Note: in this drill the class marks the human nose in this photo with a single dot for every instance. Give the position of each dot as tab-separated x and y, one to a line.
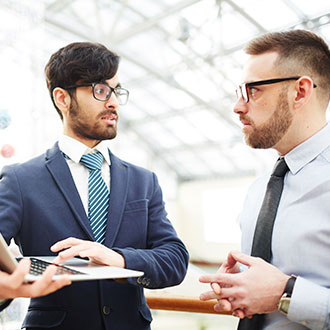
113	101
240	106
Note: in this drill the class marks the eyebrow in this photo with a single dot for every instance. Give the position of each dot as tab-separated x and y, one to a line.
117	86
105	82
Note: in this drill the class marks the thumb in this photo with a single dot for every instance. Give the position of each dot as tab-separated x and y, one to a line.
242	258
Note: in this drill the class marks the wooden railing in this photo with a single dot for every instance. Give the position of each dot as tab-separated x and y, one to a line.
181	303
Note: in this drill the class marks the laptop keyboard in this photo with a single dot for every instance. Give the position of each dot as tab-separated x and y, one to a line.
38	266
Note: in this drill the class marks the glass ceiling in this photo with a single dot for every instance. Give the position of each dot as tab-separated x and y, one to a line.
181	61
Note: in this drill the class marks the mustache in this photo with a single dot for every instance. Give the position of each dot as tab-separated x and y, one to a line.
246	119
108	112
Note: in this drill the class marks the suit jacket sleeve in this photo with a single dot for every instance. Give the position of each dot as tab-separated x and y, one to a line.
11	204
165	260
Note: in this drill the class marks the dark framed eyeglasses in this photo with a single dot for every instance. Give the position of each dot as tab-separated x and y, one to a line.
102	92
243	89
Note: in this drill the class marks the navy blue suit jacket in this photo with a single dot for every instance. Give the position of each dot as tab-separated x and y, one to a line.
40	205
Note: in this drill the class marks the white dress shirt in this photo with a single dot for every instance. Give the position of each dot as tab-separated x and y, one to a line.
301	234
75	150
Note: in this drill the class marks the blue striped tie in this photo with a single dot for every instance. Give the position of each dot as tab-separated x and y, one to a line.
98	195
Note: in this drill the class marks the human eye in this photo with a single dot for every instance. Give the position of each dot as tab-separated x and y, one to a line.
101	90
253	92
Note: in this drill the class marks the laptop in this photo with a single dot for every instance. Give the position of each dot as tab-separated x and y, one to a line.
77	269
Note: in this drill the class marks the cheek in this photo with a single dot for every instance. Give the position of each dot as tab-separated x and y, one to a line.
264	112
88	105
89	109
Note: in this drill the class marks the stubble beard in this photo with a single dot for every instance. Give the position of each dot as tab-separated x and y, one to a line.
270	133
85	130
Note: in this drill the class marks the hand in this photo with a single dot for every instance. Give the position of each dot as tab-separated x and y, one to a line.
223	305
13	285
94	251
257	290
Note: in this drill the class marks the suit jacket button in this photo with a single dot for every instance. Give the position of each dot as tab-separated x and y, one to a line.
106	310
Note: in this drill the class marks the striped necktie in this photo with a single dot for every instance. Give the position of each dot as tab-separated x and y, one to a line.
262	240
98	195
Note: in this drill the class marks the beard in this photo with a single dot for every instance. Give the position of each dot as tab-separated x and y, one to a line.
271	132
90	128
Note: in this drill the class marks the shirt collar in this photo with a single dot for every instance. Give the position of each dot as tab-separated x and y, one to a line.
75	149
308	150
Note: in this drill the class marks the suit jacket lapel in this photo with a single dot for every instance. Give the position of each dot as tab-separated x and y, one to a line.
118	196
61	174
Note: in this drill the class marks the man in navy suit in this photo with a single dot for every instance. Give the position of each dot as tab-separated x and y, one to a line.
44	204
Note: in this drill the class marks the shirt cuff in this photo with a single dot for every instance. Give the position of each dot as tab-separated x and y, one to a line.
309	304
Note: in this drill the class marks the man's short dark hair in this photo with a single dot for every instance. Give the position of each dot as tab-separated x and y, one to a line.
300	52
80	62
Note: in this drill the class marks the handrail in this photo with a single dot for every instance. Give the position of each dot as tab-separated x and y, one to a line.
181	303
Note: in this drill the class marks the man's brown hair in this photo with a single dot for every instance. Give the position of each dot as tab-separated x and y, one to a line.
80	62
300	53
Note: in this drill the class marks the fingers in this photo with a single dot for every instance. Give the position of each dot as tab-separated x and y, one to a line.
13	285
66	243
239	313
225	279
242	258
231	260
223	305
46	285
17	277
69	253
216	288
209	295
72	247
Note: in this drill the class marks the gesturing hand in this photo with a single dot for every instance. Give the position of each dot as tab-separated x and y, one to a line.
254	291
96	252
224	305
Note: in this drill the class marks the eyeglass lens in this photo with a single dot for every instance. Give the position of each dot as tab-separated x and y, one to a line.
242	91
103	92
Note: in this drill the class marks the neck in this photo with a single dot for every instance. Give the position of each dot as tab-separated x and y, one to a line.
299	134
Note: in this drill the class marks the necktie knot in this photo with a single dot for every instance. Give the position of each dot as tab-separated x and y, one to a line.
280	168
92	161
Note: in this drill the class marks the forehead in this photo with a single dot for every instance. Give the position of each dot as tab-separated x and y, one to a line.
260	67
114	81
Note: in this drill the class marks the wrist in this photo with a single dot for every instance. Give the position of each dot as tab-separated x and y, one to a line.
284	303
284	283
120	260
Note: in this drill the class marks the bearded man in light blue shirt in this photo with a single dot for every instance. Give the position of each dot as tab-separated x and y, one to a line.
282	105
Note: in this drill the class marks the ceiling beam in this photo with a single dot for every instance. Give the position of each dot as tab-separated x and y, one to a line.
148	23
245	15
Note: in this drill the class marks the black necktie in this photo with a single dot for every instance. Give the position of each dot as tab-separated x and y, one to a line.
262	240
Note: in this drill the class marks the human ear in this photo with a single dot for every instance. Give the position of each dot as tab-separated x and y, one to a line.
62	99
303	91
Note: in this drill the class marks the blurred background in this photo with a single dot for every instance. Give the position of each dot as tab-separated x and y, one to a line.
181	61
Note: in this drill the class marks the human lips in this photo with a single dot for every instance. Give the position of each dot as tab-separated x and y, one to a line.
247	124
245	121
110	118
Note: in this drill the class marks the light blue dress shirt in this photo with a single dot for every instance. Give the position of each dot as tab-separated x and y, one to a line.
301	234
